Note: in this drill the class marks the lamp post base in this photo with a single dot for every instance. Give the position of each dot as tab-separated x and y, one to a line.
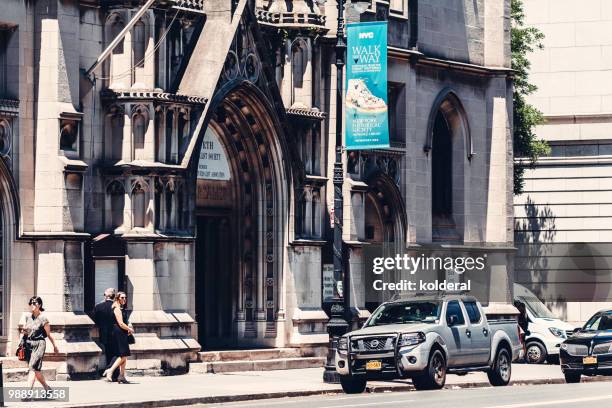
330	375
336	327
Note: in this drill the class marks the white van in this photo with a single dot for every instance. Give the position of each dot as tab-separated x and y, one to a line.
547	331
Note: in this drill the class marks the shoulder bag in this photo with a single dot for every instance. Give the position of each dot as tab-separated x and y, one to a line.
23	350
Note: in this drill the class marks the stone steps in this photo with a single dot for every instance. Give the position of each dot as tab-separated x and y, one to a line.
14	370
21	374
228	361
256	365
12	362
253	354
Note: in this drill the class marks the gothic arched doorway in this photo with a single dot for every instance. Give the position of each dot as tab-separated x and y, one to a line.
242	191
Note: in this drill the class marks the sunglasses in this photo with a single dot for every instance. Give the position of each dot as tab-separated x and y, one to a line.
123	297
33	303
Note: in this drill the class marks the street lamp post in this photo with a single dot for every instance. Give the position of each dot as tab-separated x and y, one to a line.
341	316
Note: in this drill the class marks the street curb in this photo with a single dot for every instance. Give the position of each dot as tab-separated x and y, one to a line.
275	395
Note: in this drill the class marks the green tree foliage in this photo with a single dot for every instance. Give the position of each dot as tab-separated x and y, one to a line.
527	147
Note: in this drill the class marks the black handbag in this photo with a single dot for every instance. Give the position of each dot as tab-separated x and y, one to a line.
131	339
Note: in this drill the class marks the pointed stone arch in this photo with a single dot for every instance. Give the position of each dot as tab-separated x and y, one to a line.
385	228
449	104
115	204
261	176
390	202
11	230
449	147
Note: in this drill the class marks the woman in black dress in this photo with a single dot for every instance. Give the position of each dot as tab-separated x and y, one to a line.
120	334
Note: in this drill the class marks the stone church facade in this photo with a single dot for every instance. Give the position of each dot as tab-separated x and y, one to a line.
191	167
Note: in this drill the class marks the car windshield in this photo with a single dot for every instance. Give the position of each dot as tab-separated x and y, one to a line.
405	312
536	307
599	322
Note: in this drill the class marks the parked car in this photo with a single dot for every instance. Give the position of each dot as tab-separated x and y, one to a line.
546	331
588	351
426	338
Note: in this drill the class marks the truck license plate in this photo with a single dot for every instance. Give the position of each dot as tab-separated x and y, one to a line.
374	365
589	360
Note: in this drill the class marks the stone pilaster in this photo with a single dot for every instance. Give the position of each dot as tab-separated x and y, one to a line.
59	282
159	281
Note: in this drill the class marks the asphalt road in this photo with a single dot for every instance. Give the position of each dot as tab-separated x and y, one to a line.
582	395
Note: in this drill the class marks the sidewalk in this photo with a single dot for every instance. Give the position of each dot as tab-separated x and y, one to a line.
216	388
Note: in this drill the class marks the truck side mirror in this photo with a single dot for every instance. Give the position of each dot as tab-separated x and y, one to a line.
577	330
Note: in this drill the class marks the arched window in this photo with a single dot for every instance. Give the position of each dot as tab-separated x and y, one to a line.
170	137
116	199
299	60
181	211
116	65
139	44
449	141
116	134
160	138
441	172
138	127
183	129
159	194
140	122
301	74
69	135
116	26
138	206
169	197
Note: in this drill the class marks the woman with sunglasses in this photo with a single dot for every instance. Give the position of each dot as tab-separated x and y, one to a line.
36	330
120	334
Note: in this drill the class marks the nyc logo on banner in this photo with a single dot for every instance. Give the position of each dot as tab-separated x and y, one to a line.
367	122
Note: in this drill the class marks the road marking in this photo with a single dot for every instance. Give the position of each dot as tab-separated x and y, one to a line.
556	402
372	404
298	400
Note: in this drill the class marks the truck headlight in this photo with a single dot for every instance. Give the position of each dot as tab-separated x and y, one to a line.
411	339
343	344
603	348
557	332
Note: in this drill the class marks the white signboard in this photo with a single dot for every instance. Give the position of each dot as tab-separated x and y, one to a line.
328	282
213	164
106	276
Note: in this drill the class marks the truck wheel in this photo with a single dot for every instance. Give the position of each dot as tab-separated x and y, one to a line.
572	378
353	384
502	368
434	376
536	353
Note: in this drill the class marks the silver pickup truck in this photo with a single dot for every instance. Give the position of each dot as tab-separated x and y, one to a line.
426	338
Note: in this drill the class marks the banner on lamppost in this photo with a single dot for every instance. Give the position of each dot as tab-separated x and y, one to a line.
367	123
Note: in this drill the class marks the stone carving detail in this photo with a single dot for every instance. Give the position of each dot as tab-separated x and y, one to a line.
362	165
196	5
291	14
6	137
242	61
